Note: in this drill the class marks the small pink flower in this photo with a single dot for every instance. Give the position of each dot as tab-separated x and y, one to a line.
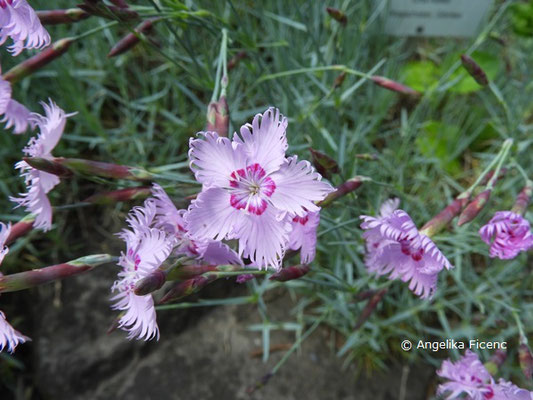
507	234
39	183
14	114
146	249
396	247
8	335
466	376
20	22
303	236
250	190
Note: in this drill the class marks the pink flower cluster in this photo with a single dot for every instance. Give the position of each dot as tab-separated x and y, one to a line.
157	232
19	22
9	337
253	193
396	248
507	234
468	379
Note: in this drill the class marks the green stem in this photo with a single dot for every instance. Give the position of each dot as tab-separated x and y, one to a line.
505	147
504	153
95	30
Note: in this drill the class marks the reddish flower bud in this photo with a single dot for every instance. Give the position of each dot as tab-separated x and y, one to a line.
526	360
35	277
324	164
343	189
21	228
245	278
339	80
523	198
115	196
234	61
489	176
186	288
337	15
38	61
394	86
474	208
218	117
55	17
290	273
442	219
370	307
474	70
97	7
151	283
65	166
132	39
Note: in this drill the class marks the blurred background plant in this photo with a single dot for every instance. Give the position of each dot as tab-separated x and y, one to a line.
141	107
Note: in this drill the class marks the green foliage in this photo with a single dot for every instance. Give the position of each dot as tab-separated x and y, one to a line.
141	108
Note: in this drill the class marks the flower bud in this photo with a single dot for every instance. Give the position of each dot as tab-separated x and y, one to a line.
114	196
21	228
55	17
474	70
234	61
337	15
394	86
339	80
523	198
38	61
370	307
67	166
132	39
218	117
290	273
526	360
343	189
324	164
186	288
35	277
474	208
442	219
151	283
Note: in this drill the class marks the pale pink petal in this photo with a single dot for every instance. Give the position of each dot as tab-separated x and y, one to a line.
17	116
263	238
213	159
5	230
303	236
466	376
5	94
167	215
211	215
9	337
388	207
154	248
140	317
35	200
264	141
51	127
23	26
219	253
298	187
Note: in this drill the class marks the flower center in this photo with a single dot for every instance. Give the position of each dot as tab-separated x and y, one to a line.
250	188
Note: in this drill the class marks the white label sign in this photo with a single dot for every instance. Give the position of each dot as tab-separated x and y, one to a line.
459	18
